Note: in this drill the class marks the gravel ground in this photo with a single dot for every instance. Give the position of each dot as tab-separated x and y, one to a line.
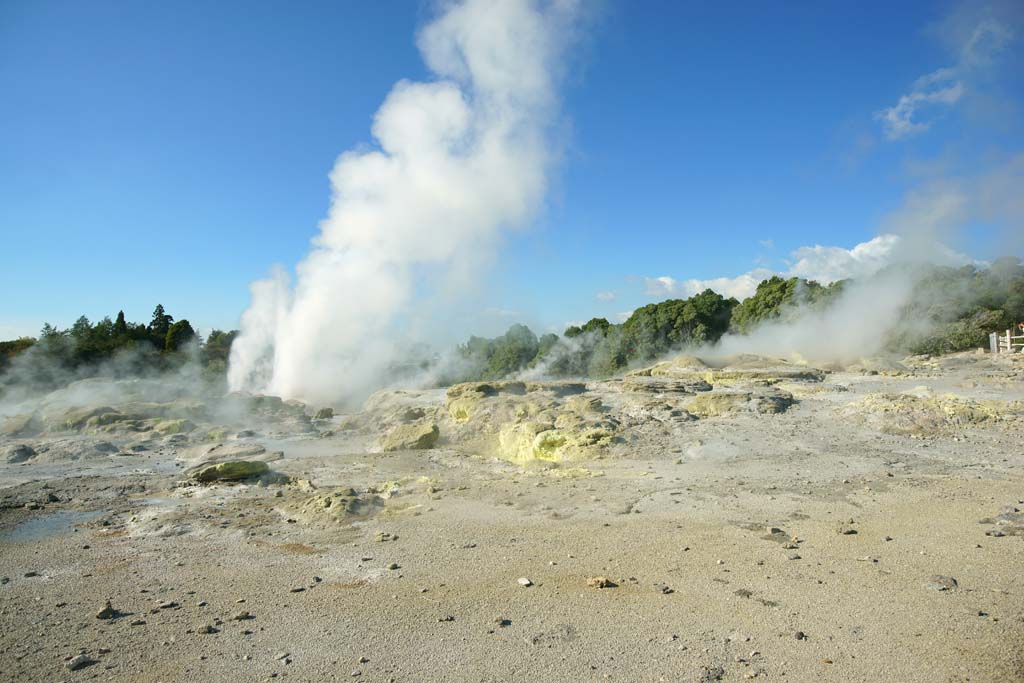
804	546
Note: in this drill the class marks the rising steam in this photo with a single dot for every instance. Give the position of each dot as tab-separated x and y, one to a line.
460	159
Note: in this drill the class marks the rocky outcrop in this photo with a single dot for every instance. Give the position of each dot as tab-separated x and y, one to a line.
741	368
765	400
13	455
553	421
530	441
174	426
417	436
21	425
922	412
231	470
336	506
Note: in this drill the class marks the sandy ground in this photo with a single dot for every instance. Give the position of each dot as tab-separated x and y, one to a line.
808	545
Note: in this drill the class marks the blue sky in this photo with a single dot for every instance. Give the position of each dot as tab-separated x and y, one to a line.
173	152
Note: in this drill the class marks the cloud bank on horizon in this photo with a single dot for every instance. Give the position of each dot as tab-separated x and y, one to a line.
825	264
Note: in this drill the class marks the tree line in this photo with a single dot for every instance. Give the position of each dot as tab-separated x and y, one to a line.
161	344
950	309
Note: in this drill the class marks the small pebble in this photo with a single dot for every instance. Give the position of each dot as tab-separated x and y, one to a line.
79	662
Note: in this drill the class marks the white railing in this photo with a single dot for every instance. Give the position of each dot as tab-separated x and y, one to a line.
1006	342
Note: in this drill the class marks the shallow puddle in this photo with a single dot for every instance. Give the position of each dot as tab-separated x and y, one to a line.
45	526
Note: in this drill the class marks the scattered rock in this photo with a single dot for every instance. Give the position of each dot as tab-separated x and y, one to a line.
79	662
942	583
524	582
601	582
207	629
108	612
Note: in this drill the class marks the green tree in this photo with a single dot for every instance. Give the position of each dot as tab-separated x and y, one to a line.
120	326
81	329
778	298
10	349
218	345
161	322
599	325
103	331
179	334
653	330
545	344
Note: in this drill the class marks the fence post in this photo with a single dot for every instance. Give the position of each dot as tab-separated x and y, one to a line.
993	342
1009	342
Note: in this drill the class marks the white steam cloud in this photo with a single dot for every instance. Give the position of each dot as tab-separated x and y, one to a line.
460	158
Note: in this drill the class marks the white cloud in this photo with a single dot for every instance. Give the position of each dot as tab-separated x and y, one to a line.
827	264
898	121
986	43
605	296
624	316
977	39
740	286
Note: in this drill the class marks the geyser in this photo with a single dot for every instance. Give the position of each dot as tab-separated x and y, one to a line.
459	159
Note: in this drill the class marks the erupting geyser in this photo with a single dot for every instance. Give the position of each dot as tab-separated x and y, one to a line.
460	158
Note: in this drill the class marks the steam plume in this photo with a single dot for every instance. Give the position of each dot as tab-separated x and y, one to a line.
460	159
